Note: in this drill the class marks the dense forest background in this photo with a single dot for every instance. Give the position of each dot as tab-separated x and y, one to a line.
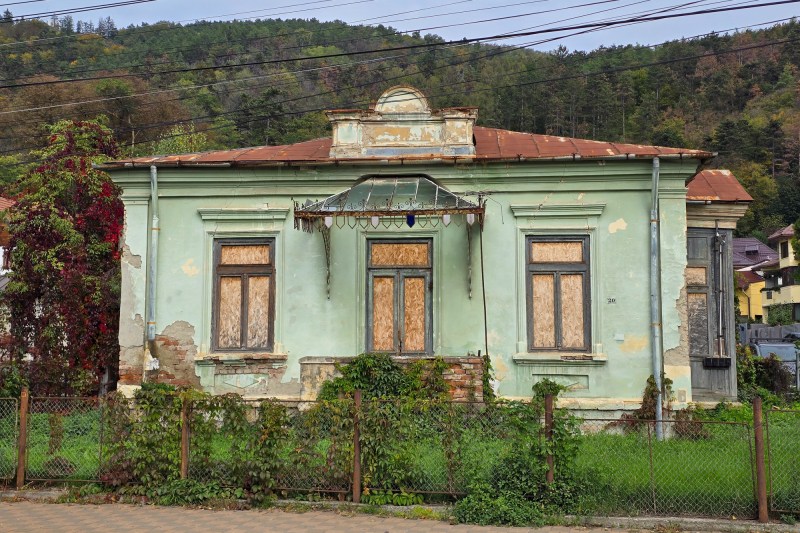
167	88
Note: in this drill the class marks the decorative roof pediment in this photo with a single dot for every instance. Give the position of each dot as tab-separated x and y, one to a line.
402	125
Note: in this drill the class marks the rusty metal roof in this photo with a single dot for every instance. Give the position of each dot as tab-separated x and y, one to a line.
490	145
717	186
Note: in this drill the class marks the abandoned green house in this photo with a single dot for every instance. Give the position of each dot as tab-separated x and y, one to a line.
415	232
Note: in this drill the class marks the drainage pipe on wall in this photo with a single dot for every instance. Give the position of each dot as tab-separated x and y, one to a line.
152	262
655	297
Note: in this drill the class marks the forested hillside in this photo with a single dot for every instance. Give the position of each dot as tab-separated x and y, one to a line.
173	88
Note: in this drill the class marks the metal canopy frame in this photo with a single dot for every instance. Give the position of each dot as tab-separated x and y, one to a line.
384	196
397	200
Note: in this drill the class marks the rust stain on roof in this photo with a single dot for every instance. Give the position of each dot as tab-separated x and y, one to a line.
491	144
717	186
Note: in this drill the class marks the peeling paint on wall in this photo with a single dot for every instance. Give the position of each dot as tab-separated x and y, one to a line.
176	351
189	268
634	343
618	225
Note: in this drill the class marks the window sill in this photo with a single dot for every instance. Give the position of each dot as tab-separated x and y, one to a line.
234	357
560	358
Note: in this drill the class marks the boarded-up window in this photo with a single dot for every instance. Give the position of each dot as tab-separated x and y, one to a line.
244	294
399	296
558	293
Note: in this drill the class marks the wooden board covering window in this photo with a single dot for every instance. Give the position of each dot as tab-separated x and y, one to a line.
557	252
544	311
244	285
230	312
414	319
558	293
244	254
698	323
572	311
696	276
258	306
383	313
400	254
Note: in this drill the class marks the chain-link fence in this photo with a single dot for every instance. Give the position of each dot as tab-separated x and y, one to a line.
313	443
64	438
9	435
783	460
696	468
438	447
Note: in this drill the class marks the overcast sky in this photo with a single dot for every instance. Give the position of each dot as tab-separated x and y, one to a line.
456	19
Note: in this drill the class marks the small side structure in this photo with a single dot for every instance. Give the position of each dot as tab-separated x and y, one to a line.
715	202
782	287
414	232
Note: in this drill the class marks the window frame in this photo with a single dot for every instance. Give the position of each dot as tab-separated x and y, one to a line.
399	273
243	272
556	268
784	246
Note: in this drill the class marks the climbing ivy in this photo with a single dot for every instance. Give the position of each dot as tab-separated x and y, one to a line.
62	300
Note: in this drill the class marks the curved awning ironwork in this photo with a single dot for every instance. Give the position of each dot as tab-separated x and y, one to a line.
387	197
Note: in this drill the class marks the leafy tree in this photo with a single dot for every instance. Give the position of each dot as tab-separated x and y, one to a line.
62	301
181	139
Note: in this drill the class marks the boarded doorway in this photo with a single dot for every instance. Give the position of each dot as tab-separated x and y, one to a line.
399	289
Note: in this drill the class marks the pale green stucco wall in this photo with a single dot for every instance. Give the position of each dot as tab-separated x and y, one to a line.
607	200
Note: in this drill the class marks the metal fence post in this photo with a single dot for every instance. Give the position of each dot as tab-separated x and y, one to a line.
548	433
185	439
356	448
761	477
22	443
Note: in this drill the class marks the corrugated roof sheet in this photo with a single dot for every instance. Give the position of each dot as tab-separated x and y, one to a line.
490	145
782	233
5	203
717	186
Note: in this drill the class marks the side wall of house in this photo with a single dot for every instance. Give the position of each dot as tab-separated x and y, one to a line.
608	202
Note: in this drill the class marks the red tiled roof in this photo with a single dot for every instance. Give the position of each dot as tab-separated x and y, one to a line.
717	186
5	203
745	277
782	233
490	145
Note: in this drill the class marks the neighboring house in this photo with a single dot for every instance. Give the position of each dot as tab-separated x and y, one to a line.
780	275
749	257
749	287
414	232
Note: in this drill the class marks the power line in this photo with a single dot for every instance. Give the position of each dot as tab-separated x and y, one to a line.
328	43
587	75
70	11
602	72
418	46
338	66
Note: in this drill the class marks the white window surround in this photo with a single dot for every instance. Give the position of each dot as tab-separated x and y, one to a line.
555	220
240	223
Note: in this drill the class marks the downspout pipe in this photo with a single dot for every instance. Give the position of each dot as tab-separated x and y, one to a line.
152	262
655	298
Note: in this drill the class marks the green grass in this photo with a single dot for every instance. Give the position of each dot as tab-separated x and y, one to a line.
70	450
708	476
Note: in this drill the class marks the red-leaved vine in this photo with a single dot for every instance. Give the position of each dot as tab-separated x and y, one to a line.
62	300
